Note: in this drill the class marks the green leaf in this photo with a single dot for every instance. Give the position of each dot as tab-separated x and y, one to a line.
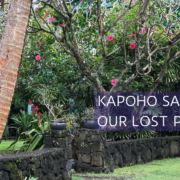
34	143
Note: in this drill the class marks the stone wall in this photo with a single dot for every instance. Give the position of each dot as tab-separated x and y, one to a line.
131	152
97	155
47	164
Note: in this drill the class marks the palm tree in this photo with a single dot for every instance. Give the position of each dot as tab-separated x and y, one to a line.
10	54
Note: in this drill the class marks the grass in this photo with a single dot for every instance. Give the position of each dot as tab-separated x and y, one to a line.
166	169
5	144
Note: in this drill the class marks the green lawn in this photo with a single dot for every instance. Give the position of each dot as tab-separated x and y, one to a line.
5	144
166	169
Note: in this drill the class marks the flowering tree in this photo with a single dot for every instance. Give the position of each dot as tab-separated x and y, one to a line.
138	30
10	54
141	33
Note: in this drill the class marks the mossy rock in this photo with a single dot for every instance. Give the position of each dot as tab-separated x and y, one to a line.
19	160
33	160
9	166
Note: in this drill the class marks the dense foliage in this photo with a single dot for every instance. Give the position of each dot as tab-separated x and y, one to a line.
50	59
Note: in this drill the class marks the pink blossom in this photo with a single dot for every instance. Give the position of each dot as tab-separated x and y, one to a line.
132	35
39	43
145	55
51	19
47	13
113	82
132	1
16	85
62	25
110	38
167	16
44	19
155	29
38	57
124	0
132	46
19	74
144	30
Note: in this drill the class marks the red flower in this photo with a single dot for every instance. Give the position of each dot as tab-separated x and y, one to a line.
19	74
51	19
110	38
33	112
37	109
38	118
62	25
132	46
46	13
30	102
113	82
132	35
144	30
32	105
39	113
39	124
38	58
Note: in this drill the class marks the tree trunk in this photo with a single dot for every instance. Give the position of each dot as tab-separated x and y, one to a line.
10	54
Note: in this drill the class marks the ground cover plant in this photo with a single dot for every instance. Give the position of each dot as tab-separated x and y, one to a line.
156	170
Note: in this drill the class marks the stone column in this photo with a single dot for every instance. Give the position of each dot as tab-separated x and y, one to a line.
58	139
92	144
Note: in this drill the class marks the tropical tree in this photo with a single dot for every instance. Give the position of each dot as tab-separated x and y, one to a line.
10	54
135	33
